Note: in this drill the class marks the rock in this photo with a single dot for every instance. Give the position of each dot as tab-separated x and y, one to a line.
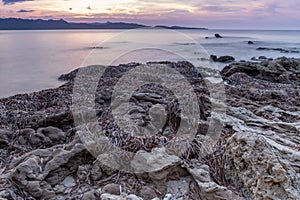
96	171
68	76
262	58
112	188
271	171
106	196
218	35
263	152
158	165
271	71
168	197
208	188
83	172
69	182
4	194
30	176
56	135
226	59
277	49
90	195
157	160
250	42
213	58
43	155
223	59
43	137
206	37
133	197
180	189
147	193
151	97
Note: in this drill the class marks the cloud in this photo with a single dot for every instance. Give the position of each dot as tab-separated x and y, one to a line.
9	2
25	11
222	8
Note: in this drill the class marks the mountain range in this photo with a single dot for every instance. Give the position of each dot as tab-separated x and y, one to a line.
40	24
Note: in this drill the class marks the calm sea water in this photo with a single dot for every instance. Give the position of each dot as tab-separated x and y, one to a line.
32	60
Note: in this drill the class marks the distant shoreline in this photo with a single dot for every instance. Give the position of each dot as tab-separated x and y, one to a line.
40	24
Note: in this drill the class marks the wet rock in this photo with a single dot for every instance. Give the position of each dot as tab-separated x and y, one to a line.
213	58
68	76
222	59
225	59
262	58
277	49
217	35
250	42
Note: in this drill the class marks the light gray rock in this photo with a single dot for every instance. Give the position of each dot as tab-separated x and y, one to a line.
147	193
156	160
106	196
133	197
112	188
208	189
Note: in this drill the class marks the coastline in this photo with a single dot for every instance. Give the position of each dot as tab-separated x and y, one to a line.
44	156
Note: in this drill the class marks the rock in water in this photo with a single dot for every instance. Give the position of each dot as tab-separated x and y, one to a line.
222	59
226	59
217	35
213	58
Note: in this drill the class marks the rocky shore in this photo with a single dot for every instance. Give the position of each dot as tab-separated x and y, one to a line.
257	155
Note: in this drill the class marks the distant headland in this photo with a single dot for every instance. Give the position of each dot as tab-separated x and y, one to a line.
40	24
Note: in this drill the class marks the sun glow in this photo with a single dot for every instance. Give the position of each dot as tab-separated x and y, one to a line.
181	12
81	7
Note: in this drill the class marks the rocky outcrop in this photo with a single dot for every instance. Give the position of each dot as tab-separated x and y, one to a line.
256	157
217	35
263	153
222	59
277	49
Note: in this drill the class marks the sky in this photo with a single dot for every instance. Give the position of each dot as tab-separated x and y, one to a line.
237	14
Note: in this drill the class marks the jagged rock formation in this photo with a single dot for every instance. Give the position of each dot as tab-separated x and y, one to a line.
256	157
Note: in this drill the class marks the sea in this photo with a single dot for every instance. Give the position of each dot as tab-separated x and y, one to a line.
32	60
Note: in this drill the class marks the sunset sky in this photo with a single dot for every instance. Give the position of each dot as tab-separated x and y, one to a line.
261	14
